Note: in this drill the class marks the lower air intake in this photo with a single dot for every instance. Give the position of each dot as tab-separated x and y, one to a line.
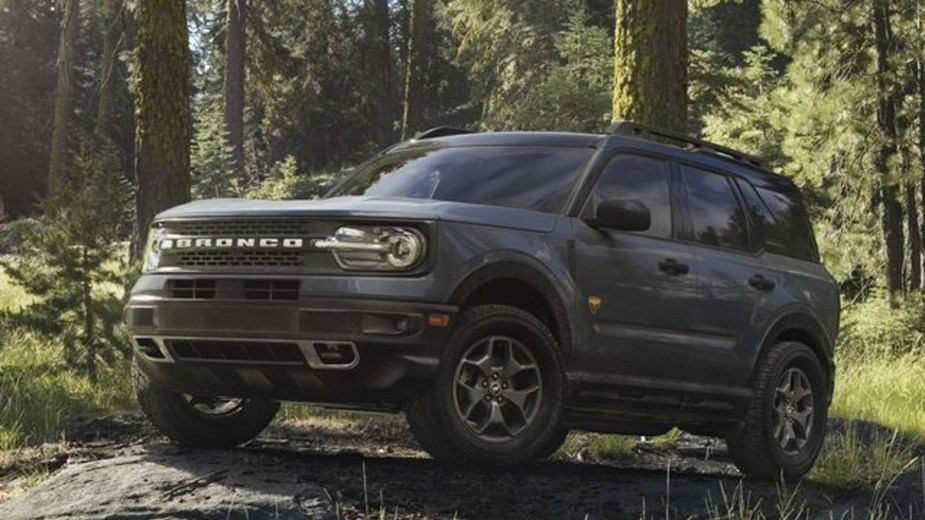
235	351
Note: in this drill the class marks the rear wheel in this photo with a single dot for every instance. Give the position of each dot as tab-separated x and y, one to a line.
784	427
201	421
497	399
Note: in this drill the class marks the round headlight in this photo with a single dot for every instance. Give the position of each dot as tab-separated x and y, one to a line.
405	249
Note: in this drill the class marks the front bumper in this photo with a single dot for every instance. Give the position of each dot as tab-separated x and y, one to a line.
270	349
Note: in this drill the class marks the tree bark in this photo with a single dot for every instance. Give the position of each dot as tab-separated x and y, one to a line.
379	67
650	63
412	118
920	88
112	16
915	238
162	108
892	213
62	106
235	54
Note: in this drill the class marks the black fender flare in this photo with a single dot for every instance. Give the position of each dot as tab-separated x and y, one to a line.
524	272
800	320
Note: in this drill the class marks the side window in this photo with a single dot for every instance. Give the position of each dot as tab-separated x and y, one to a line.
717	219
636	177
788	232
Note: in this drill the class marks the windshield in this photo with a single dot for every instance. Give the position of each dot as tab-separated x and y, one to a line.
526	177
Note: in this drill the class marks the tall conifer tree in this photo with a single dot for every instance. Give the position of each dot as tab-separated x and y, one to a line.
650	62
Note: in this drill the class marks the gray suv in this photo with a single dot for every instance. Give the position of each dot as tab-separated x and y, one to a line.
501	289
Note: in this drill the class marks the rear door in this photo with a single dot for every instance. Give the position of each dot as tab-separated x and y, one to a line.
739	286
635	288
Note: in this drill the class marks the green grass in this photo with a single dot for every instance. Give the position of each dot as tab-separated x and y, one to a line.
846	462
38	392
889	391
612	446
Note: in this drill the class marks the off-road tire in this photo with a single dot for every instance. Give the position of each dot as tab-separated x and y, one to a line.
752	445
432	415
173	416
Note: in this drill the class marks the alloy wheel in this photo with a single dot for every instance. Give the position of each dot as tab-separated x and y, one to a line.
497	388
213	407
793	411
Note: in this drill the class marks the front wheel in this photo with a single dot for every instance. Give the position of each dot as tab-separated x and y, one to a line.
201	421
784	427
497	399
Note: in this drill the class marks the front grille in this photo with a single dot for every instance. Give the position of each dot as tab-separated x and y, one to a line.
286	290
237	351
192	289
271	258
201	252
246	228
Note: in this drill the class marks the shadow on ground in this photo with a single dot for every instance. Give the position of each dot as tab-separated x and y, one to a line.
338	467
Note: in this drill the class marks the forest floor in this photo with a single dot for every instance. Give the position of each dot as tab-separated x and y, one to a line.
333	465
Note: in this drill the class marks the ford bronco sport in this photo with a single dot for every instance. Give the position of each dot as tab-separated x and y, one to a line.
501	289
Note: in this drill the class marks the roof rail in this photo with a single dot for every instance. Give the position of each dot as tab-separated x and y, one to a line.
631	129
441	131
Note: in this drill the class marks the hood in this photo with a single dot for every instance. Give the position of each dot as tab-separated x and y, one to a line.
390	208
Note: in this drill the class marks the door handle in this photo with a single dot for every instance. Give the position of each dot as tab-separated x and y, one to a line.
673	267
761	283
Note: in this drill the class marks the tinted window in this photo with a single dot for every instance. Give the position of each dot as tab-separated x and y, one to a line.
518	177
716	217
783	224
641	178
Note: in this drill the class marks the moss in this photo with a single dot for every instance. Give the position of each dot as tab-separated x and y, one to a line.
650	64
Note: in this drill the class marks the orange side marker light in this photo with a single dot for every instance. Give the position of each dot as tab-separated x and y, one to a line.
438	320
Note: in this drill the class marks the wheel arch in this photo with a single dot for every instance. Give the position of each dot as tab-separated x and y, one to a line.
801	327
520	285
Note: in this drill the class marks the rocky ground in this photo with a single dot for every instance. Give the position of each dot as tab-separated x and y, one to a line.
336	466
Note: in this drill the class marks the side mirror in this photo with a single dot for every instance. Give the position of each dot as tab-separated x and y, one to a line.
621	215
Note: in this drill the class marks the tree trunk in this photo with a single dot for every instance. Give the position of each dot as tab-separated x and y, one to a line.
920	87
892	214
112	16
379	67
162	108
412	119
650	63
915	239
62	107
235	53
87	311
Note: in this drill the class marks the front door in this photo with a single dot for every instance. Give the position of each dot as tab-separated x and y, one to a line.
637	289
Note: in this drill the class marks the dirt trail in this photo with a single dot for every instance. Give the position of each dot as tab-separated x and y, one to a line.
337	467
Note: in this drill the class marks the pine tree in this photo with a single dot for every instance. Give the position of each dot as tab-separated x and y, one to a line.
162	110
421	11
112	19
650	62
378	61
235	53
62	112
71	260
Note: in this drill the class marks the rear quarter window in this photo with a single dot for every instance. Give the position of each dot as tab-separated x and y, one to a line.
781	222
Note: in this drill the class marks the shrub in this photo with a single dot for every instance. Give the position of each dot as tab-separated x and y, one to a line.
872	328
286	183
11	235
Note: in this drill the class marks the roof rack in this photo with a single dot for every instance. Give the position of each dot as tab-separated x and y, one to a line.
441	131
631	129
